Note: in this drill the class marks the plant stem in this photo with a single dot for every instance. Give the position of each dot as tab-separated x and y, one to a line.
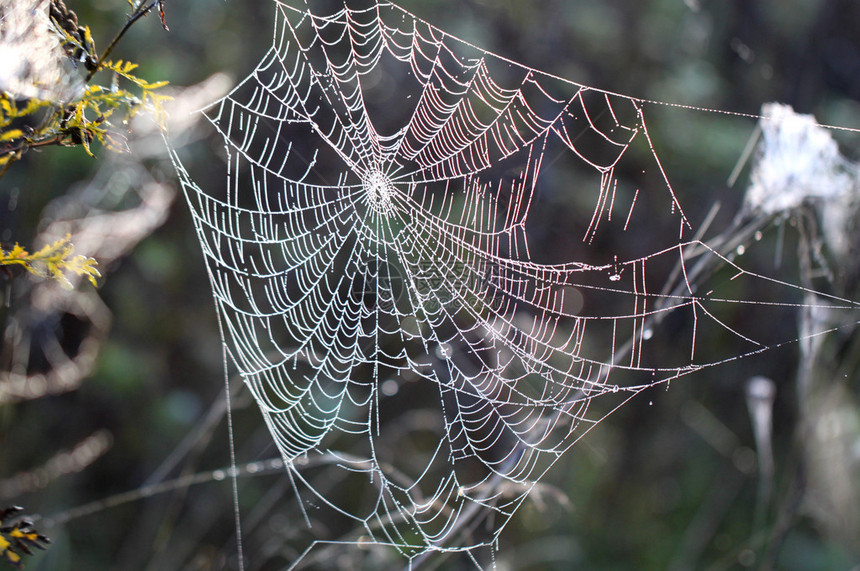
142	10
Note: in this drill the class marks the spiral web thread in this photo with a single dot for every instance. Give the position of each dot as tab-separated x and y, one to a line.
375	250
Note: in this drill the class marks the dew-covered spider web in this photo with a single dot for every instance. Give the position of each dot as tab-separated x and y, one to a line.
432	279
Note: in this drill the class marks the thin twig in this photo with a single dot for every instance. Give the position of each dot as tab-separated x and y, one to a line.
142	10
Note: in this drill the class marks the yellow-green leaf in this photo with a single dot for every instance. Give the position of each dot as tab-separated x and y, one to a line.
11	134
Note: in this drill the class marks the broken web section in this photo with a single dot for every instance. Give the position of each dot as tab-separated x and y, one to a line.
422	246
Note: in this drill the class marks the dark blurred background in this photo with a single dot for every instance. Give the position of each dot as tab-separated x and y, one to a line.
668	481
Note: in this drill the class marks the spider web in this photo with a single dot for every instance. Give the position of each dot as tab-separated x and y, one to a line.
386	239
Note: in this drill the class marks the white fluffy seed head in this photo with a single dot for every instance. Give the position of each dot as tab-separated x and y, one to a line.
33	64
798	161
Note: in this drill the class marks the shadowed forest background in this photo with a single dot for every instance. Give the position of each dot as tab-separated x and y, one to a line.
670	480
